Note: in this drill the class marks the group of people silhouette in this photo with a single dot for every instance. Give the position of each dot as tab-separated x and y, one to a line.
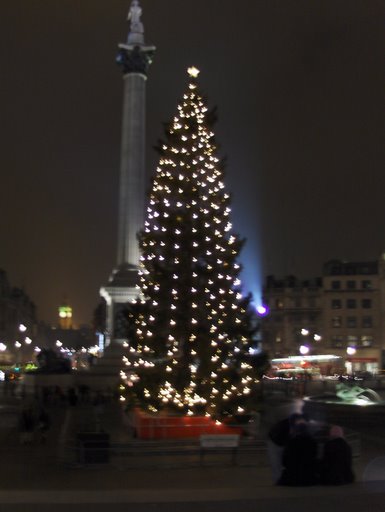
299	459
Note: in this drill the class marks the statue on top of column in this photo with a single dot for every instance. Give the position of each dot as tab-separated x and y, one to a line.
135	56
134	15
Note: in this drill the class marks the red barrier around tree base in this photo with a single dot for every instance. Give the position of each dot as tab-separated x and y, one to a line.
163	426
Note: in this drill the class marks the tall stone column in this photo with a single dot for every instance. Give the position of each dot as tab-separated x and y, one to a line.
134	58
132	171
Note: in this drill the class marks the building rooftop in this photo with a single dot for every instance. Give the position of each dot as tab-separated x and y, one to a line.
348	268
292	282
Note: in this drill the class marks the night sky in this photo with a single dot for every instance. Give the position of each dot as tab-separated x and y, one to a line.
300	88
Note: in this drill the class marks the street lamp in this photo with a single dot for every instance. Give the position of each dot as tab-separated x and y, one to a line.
306	334
304	349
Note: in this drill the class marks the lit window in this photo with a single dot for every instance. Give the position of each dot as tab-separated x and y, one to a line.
336	321
366	341
279	303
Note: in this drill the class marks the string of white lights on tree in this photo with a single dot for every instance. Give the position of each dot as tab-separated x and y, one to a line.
189	346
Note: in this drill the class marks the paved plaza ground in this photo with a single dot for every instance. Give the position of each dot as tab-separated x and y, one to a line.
40	477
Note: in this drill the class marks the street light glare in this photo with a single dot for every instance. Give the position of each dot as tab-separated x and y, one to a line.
304	349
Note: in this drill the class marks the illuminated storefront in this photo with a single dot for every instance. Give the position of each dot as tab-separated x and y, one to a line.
312	365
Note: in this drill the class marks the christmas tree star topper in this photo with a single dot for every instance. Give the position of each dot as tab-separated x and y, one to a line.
193	71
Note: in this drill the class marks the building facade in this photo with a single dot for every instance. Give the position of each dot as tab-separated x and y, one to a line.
342	313
353	312
294	316
18	321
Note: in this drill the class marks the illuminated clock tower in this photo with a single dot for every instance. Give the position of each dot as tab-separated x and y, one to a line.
134	58
65	317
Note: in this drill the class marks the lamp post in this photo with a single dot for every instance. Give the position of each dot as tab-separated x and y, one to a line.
23	330
350	351
308	343
308	340
304	350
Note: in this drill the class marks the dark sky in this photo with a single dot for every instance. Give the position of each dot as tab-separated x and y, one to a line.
300	87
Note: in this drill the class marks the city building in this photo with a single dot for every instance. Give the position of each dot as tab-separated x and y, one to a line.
340	314
17	321
353	312
294	314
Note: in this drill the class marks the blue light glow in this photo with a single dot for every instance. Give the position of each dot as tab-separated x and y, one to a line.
262	310
251	275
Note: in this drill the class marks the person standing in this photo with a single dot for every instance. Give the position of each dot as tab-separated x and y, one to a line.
278	437
299	458
336	463
27	426
43	425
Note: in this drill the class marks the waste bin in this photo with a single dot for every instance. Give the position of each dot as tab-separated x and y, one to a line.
93	447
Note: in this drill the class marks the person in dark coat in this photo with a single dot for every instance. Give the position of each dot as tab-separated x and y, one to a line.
27	426
299	458
43	424
280	432
336	463
278	437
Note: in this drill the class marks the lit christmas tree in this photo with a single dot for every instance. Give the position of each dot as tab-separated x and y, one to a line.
191	334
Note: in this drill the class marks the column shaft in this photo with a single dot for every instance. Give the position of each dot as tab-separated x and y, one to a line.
132	169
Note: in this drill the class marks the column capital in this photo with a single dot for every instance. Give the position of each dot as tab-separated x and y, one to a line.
135	59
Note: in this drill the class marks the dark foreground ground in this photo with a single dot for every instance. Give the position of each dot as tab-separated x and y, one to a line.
42	477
